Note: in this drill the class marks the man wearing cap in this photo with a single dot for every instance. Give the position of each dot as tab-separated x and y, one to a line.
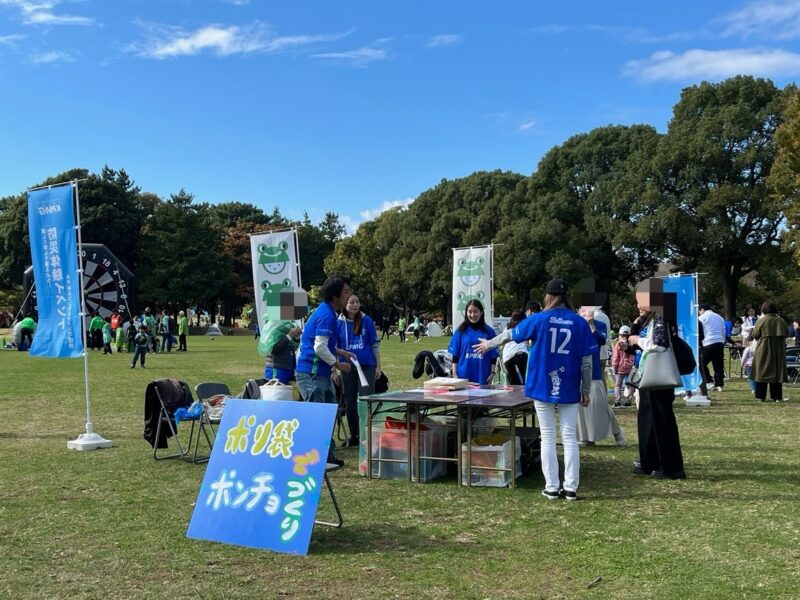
713	345
559	373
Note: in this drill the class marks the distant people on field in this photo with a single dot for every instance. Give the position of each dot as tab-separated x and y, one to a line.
417	328
747	365
713	345
142	343
385	325
532	307
515	354
26	328
796	329
96	331
108	336
183	331
748	323
149	322
769	359
401	328
622	359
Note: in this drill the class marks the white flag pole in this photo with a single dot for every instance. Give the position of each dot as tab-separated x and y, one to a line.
89	440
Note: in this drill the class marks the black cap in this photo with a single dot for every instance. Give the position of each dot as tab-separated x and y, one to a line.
556	287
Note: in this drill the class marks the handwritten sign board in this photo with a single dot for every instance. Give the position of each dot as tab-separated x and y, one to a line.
263	482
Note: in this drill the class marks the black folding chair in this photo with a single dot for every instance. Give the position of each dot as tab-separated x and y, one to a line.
330	468
166	396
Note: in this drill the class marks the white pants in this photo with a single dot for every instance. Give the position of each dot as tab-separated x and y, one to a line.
568	420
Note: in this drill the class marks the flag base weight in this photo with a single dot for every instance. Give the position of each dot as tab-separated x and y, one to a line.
698	401
89	441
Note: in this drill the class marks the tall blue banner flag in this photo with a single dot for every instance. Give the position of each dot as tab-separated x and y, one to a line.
685	286
54	250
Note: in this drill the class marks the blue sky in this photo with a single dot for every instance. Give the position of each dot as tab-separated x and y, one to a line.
350	106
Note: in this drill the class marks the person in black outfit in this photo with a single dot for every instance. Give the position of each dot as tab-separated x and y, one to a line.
659	442
385	328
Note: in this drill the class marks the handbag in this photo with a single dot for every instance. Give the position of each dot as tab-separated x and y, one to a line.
684	356
656	371
275	390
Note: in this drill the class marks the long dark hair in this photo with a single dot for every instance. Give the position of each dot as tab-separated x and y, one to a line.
357	320
481	324
516	317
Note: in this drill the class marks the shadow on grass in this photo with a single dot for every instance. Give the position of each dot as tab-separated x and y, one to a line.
360	538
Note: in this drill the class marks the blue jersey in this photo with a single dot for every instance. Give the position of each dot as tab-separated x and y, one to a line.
361	344
469	364
321	323
560	339
600	339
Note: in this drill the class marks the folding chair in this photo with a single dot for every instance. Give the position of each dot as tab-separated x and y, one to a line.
166	396
793	366
329	468
205	391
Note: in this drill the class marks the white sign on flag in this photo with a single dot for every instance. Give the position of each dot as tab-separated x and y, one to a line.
472	280
276	267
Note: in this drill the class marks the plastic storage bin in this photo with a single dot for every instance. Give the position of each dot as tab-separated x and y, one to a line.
392	443
491	456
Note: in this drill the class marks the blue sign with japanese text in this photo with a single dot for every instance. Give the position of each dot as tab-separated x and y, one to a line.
54	252
685	286
265	475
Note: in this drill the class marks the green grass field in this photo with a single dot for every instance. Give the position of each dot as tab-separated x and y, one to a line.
112	523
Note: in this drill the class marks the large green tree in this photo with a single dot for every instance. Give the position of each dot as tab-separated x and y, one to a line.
183	264
710	200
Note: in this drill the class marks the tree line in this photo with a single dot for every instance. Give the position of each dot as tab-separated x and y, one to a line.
715	193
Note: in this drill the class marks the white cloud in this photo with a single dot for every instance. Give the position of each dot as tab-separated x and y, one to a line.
443	40
527	125
165	42
41	13
47	58
11	40
770	19
357	58
713	64
631	35
372	213
352	224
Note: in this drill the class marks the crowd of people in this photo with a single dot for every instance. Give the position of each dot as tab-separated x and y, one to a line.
144	333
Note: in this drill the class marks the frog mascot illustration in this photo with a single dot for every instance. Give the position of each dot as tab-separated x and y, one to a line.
464	298
273	258
470	271
272	296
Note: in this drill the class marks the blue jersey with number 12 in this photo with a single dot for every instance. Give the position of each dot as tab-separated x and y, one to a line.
560	339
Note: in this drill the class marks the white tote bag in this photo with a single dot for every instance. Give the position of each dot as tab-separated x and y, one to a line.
275	390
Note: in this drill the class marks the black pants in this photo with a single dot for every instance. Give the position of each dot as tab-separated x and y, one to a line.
402	335
715	354
351	386
516	367
25	334
775	390
97	339
385	333
182	342
659	442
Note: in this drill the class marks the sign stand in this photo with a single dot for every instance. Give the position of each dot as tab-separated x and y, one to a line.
89	440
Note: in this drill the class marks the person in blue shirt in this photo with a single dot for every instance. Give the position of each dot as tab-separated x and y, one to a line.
559	373
318	349
468	363
357	334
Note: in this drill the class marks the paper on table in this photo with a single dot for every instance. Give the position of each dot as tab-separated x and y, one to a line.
362	378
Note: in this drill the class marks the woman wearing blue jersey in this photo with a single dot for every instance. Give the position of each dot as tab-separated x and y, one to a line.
559	373
357	334
468	363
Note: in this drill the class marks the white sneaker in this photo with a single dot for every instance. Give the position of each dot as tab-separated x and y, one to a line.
718	388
